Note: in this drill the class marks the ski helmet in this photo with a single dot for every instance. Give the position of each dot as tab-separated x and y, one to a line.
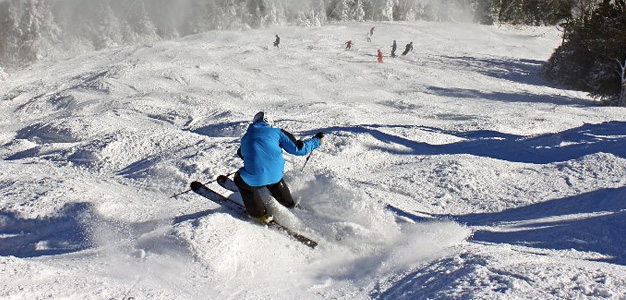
263	116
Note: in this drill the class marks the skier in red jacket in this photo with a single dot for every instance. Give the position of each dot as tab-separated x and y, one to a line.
349	44
380	56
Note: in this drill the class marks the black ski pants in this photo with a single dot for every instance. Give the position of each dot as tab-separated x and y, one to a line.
252	197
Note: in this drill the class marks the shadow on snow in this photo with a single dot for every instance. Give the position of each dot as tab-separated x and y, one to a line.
64	233
442	274
526	71
593	221
608	137
76	226
509	97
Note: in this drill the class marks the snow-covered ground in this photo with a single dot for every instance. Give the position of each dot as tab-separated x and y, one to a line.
455	172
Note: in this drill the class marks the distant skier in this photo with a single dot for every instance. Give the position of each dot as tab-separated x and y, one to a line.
408	48
261	149
380	56
372	31
277	41
394	47
349	44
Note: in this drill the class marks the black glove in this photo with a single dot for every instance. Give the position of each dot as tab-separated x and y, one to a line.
319	135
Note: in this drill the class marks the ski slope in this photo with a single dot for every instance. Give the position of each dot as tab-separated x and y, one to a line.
455	172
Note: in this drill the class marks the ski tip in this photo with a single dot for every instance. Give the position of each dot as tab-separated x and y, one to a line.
195	185
221	179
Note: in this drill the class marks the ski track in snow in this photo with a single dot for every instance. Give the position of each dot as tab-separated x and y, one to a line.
455	172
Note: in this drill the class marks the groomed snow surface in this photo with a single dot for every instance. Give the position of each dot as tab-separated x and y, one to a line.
454	172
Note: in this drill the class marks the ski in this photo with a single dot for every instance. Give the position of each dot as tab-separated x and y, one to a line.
208	193
227	183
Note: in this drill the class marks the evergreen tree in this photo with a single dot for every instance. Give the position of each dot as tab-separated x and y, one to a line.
9	32
358	12
143	27
31	29
593	52
368	9
37	31
258	13
339	10
29	34
531	12
386	11
108	32
3	76
608	43
484	12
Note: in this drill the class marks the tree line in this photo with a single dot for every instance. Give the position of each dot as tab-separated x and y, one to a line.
591	57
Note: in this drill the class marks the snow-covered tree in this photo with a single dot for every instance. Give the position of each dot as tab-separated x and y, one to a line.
142	25
257	10
339	10
108	32
37	30
358	11
386	10
9	32
3	77
582	9
484	12
31	29
313	14
622	96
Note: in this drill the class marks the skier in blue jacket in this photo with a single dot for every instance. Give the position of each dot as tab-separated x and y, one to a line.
263	164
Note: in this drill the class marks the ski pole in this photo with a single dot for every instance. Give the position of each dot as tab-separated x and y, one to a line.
306	161
309	156
189	190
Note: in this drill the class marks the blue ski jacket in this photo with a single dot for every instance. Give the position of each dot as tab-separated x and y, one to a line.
261	150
